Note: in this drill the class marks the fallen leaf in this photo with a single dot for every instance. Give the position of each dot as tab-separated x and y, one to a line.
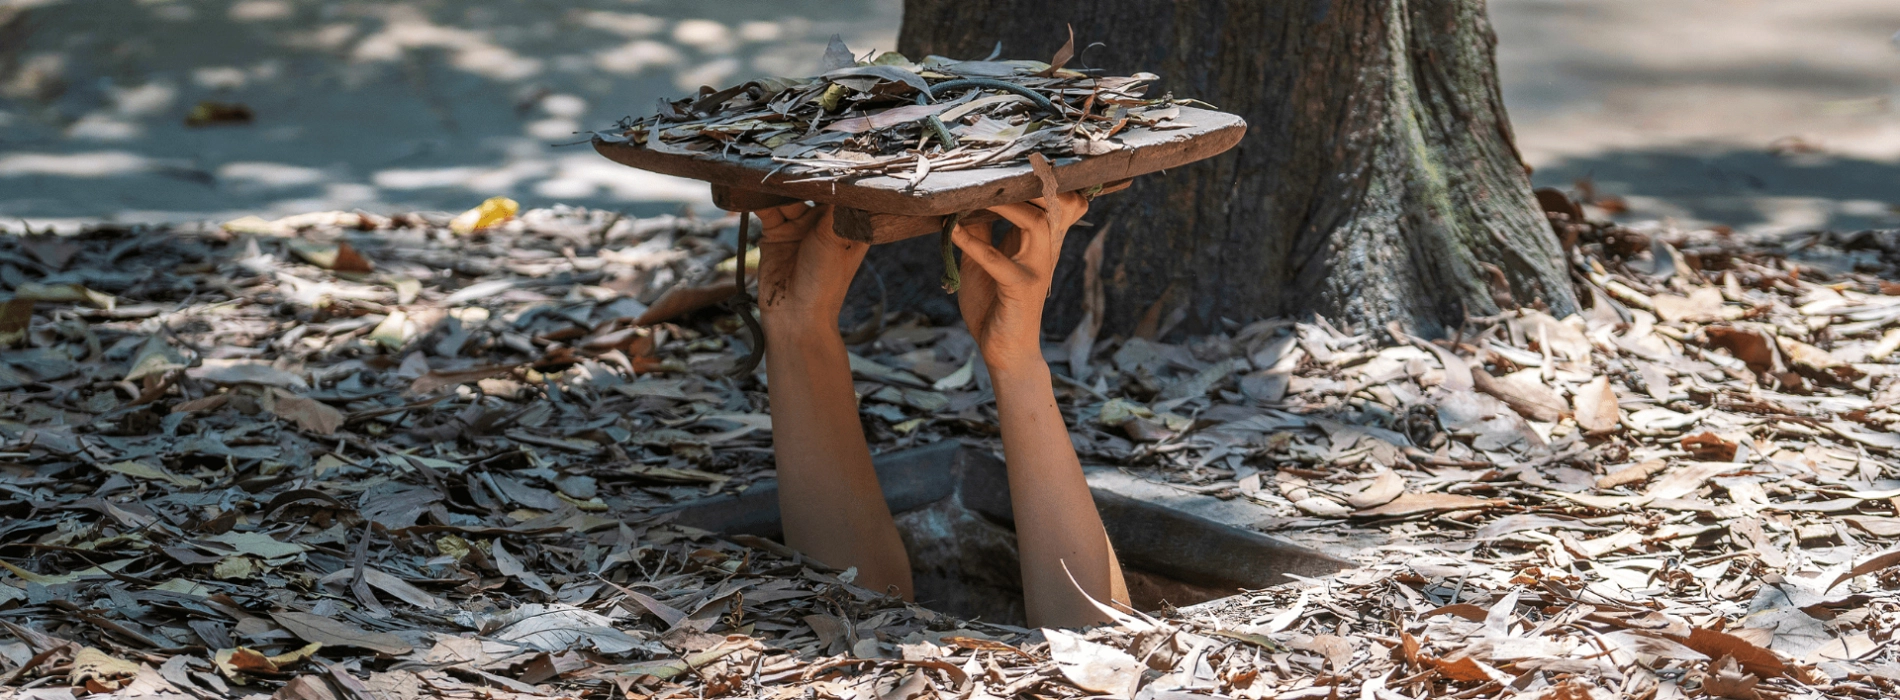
147	472
1753	347
490	212
1752	658
1724	680
229	372
1877	563
1097	668
1687	479
402	590
1521	522
63	294
1336	649
1474	613
1703	305
1462	669
348	260
1634	473
1523	393
1458	373
258	544
56	251
508	565
307	413
1597	412
307	687
1816	363
331	632
559	627
393	332
1845	648
155	357
1415	503
1710	447
1887	345
683	299
1376	491
92	664
438	379
1565	337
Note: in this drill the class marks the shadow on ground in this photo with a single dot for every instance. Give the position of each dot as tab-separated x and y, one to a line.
383	106
1755	192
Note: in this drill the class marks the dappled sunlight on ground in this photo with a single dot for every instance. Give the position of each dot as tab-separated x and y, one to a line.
374	105
1766	116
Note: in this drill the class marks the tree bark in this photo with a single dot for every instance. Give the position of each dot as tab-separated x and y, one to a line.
1377	181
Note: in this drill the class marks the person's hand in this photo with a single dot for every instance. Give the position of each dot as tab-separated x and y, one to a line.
804	268
1003	290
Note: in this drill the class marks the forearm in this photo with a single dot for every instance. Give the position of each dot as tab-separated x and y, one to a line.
1056	520
829	499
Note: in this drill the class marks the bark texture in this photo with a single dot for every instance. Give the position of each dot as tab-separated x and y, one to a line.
1377	179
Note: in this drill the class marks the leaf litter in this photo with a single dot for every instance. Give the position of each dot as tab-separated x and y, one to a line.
446	469
888	115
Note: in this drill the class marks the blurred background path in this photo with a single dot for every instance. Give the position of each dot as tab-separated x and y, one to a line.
1765	115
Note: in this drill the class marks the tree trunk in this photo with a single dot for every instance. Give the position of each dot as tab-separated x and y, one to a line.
1377	182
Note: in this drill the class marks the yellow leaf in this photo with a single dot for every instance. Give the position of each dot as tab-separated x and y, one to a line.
100	666
406	290
296	655
493	211
392	332
452	546
249	224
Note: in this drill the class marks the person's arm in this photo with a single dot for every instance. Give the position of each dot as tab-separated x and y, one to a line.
1059	533
829	499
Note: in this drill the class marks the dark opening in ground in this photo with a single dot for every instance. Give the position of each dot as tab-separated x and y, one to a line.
952	505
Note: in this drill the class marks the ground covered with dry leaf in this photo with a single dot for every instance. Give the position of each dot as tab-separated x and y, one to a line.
347	456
